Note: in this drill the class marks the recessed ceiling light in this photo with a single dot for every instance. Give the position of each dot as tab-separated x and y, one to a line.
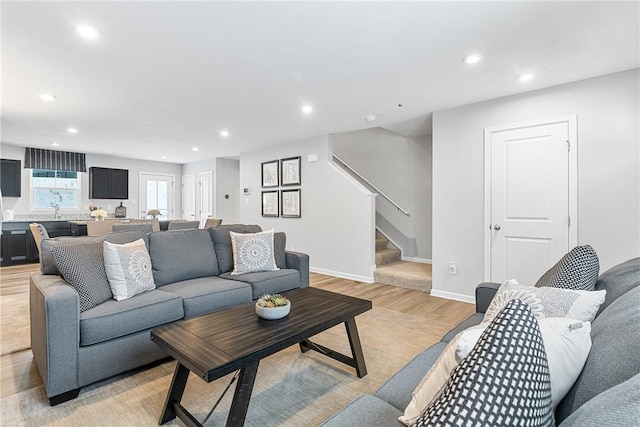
164	157
195	148
525	77
371	118
87	32
224	133
47	97
307	109
472	59
72	130
54	144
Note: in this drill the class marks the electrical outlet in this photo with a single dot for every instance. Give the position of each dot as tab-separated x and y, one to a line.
453	268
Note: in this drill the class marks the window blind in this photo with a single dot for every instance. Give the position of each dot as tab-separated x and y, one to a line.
39	158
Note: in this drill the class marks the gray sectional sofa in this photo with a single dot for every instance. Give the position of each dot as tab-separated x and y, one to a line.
191	269
607	392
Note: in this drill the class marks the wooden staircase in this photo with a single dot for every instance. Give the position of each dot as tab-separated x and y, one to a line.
391	271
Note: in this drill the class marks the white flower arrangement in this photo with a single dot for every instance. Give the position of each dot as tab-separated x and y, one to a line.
99	213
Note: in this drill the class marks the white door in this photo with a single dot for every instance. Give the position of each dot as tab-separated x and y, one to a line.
156	192
205	180
530	195
189	197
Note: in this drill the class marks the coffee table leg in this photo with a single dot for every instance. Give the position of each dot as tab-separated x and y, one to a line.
356	347
176	390
242	395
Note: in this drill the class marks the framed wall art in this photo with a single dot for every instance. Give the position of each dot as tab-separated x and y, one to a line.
270	174
290	171
290	203
270	203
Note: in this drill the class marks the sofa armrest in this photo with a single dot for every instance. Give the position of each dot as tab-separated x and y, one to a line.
484	294
300	262
55	332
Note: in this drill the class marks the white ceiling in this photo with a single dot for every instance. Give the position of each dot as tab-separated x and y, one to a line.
164	77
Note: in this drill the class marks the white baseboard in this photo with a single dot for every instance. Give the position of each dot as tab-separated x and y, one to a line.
342	275
452	295
418	260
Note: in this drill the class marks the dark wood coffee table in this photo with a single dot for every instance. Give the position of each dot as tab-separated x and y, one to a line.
217	344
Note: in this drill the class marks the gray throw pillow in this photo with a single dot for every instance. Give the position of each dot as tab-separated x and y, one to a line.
578	270
253	252
82	267
508	365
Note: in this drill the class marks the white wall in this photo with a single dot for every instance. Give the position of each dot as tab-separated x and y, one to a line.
227	184
401	168
20	205
608	172
337	224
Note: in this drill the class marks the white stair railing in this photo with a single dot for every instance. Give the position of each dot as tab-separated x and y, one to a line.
365	181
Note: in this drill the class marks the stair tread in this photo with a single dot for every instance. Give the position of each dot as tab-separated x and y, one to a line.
405	274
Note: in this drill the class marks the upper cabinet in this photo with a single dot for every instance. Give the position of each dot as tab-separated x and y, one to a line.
105	183
11	178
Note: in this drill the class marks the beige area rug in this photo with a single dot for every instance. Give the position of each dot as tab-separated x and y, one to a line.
14	318
291	389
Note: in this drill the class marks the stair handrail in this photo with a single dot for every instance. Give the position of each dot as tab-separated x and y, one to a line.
368	183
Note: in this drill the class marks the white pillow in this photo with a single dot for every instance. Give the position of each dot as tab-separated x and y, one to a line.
128	268
567	343
253	252
547	301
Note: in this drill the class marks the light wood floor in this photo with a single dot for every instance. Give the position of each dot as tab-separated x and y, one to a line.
19	373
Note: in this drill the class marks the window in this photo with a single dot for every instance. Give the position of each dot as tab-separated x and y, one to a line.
49	187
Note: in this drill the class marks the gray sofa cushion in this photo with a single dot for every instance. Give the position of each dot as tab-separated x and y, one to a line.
366	410
181	255
268	282
472	320
613	358
114	319
619	280
397	389
48	264
222	242
208	294
145	227
618	406
279	248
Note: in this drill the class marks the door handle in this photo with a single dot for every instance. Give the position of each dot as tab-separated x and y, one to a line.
496	227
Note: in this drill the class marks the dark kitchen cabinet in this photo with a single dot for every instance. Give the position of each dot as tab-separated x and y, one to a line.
11	177
106	183
18	245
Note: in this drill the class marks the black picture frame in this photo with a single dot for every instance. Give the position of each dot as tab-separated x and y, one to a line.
270	172
291	203
290	171
270	203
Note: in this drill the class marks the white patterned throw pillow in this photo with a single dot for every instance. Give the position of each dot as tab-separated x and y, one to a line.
128	268
253	252
504	381
548	301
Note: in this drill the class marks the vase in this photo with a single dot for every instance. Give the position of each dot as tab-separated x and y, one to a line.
99	218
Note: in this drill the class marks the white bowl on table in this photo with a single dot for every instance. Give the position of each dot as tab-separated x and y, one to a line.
273	313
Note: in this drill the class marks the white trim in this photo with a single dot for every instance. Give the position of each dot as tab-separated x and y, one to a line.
572	123
418	260
342	275
453	296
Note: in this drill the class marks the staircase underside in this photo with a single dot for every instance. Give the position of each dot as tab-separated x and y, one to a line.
411	275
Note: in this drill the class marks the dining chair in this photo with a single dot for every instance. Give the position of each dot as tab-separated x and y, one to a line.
39	232
212	222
